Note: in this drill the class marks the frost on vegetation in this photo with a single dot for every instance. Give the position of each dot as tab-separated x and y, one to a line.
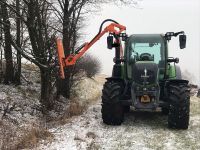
87	131
86	92
87	89
3	96
19	109
139	131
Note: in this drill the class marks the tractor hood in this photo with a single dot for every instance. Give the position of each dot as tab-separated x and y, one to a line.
145	73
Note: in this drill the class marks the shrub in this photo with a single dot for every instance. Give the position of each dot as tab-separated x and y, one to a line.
88	64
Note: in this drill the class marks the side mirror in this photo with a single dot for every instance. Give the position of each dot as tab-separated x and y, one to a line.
182	41
110	42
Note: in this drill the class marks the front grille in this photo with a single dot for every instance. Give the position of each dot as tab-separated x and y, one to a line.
145	73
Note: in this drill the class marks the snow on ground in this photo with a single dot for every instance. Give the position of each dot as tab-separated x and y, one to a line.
19	109
141	130
21	103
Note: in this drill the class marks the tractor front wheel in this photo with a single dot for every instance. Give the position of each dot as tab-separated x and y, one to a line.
127	109
112	110
165	111
179	106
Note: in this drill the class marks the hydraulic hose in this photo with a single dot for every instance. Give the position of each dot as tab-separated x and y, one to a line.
101	26
107	20
100	29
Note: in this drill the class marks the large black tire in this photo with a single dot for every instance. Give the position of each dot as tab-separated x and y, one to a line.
179	106
127	109
112	110
165	111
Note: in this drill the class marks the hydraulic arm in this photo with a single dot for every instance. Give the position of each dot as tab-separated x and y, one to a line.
114	29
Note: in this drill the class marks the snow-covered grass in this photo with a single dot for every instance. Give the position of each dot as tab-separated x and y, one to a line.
141	130
22	125
19	110
76	124
88	90
31	138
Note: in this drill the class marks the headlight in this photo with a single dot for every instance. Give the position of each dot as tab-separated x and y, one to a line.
144	89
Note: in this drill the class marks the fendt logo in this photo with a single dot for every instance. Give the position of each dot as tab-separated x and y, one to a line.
145	74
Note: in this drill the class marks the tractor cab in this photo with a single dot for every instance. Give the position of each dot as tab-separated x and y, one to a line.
145	50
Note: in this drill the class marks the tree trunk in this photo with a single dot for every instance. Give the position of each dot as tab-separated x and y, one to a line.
70	19
46	90
63	85
18	42
9	74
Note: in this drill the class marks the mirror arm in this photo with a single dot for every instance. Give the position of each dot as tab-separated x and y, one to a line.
177	33
175	60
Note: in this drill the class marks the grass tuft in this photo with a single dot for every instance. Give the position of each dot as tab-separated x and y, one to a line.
32	138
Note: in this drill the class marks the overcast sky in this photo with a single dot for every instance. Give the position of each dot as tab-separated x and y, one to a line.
156	16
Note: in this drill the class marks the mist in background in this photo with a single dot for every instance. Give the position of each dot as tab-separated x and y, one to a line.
153	16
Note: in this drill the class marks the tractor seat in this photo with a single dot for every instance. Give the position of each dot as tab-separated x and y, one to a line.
146	57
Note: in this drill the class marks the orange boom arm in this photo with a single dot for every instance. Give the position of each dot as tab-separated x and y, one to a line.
113	28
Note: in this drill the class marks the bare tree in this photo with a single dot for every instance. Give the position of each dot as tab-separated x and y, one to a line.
9	74
70	15
1	48
18	42
41	39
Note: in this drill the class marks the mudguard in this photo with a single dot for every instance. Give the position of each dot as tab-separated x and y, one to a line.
115	79
175	81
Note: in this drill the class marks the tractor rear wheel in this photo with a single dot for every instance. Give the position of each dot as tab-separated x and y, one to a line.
112	110
179	106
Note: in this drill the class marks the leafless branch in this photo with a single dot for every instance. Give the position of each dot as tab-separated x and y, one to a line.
28	57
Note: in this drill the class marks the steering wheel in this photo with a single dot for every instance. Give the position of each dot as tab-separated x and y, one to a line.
146	57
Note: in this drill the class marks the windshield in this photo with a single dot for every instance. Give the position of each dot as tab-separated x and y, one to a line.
147	48
147	51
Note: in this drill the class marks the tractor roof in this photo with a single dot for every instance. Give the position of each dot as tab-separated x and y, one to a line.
146	37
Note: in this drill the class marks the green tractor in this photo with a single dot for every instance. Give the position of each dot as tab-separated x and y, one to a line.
146	79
